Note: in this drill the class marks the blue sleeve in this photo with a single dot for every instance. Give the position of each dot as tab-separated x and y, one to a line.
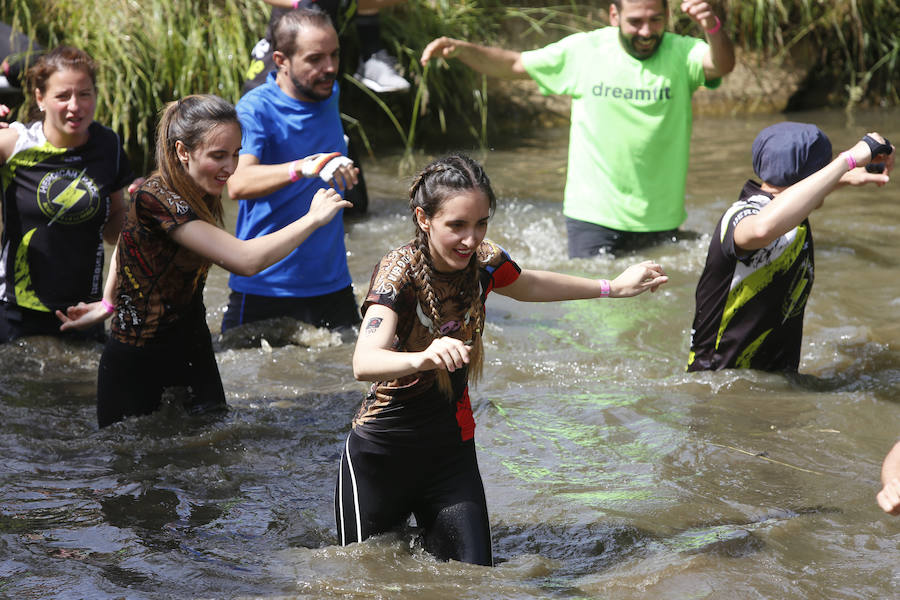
253	131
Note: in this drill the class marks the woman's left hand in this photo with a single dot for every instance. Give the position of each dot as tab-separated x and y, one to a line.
637	279
83	315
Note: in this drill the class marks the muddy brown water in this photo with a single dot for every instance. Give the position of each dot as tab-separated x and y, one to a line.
609	471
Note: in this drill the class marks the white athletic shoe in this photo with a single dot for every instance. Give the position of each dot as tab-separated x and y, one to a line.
379	74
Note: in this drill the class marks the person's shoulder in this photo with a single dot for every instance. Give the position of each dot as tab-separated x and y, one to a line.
393	273
101	134
490	254
8	139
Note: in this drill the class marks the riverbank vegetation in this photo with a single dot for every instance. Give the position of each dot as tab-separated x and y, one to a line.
152	51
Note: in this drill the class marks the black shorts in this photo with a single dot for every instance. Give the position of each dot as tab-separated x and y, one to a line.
588	239
17	322
335	310
379	487
131	379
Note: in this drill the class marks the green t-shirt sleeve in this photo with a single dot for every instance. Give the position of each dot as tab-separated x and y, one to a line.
552	68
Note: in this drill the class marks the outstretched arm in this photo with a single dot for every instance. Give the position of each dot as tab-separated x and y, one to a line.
375	360
249	257
794	204
547	286
889	496
719	61
492	61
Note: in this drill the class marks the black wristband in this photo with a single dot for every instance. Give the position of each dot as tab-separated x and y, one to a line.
877	147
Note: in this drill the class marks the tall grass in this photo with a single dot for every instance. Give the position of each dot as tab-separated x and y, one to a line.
153	51
149	51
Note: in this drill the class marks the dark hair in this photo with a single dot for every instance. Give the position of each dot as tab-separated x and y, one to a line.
189	121
618	3
60	58
288	26
437	182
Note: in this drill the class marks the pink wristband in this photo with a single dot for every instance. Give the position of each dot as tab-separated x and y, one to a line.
604	288
292	170
107	305
716	28
851	162
295	4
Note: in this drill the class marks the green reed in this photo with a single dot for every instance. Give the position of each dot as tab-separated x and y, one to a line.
149	52
153	51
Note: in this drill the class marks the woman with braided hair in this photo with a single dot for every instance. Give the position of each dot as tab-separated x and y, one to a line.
411	449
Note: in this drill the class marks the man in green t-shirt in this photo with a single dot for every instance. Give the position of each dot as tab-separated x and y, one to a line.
631	87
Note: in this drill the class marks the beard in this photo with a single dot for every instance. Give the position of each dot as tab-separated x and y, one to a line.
310	92
628	45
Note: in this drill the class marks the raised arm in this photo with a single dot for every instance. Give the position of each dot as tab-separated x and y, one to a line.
492	61
719	61
791	206
253	180
249	257
547	286
375	360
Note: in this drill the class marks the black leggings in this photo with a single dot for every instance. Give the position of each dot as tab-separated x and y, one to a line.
378	488
131	379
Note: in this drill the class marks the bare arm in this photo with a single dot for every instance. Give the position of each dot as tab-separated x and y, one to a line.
547	286
374	360
719	61
249	257
8	138
253	180
492	61
794	204
889	496
116	217
84	315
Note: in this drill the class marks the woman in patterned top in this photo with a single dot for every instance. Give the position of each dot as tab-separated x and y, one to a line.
172	235
62	177
411	449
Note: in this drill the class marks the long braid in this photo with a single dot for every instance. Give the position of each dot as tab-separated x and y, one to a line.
434	184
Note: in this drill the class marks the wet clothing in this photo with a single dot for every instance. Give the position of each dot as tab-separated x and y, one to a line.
55	206
630	125
279	129
335	310
750	306
410	411
378	487
412	450
587	239
159	337
132	379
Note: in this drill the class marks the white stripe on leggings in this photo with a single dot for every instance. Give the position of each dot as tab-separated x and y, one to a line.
355	496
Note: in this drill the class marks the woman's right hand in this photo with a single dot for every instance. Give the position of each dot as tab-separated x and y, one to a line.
325	205
83	315
444	353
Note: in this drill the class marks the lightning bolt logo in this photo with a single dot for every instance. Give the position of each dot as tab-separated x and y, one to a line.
68	198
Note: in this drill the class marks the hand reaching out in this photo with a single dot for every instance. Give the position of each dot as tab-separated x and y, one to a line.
325	205
83	315
637	279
